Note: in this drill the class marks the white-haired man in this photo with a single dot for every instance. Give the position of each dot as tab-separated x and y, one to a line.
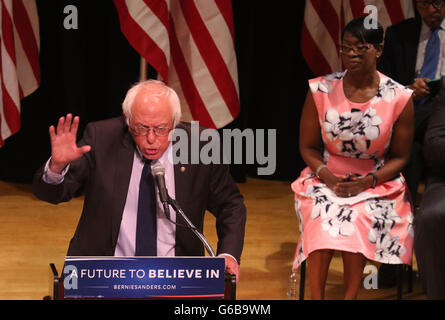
112	165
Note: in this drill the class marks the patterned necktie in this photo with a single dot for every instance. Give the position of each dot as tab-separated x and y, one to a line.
432	53
146	234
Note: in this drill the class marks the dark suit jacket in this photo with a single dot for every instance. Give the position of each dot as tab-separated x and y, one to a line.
103	174
434	143
399	56
398	62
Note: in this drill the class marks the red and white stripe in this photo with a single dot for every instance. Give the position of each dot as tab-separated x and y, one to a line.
325	19
19	55
191	45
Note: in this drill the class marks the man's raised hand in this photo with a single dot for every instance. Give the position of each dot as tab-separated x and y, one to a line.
64	149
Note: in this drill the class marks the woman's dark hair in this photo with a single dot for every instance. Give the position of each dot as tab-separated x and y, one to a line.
365	34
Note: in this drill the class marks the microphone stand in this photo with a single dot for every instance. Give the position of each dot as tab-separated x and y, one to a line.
177	208
200	236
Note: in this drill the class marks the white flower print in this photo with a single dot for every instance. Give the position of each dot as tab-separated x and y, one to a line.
383	208
388	249
335	76
337	126
335	219
325	84
321	202
353	148
368	124
299	215
300	255
386	90
354	129
322	85
339	221
384	217
410	228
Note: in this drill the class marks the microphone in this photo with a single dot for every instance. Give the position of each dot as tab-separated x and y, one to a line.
158	172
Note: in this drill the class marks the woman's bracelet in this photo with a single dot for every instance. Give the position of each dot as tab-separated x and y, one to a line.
374	179
317	172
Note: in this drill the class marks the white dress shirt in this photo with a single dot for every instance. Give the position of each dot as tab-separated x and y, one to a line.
126	242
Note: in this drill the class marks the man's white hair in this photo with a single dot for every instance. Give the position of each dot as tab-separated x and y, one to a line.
154	88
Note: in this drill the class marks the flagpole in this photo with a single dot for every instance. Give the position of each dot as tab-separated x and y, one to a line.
143	70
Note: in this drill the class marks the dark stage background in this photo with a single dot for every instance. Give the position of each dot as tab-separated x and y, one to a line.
88	71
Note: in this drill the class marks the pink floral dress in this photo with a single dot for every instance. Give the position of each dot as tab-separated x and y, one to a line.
356	137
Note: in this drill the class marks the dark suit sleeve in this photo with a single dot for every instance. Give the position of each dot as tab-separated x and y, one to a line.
399	57
386	64
227	205
434	143
74	180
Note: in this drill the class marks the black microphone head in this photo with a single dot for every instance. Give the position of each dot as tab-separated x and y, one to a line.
158	169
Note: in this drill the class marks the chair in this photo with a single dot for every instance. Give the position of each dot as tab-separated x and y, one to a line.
400	276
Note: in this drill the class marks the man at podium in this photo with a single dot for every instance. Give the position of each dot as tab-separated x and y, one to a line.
112	165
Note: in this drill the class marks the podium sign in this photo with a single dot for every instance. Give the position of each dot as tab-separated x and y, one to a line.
144	277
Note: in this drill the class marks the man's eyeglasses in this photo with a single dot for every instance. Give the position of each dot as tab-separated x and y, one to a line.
141	130
438	4
360	49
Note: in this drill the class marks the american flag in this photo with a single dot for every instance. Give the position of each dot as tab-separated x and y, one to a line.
325	19
19	55
191	45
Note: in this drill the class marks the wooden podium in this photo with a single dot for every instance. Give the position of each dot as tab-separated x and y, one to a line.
57	290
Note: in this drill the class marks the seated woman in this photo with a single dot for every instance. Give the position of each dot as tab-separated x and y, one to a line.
356	132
